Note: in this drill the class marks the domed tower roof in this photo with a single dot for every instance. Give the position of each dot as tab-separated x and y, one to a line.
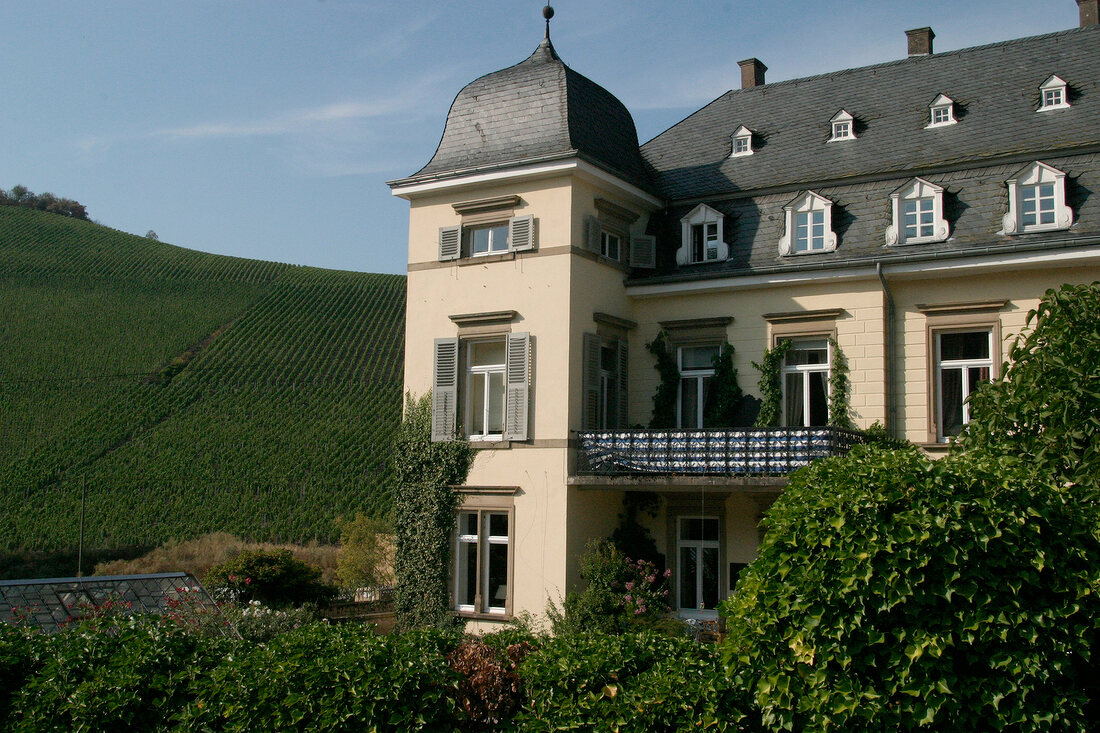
537	110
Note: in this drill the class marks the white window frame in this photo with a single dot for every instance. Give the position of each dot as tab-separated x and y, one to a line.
805	370
495	247
917	190
944	107
939	366
741	142
482	543
699	546
807	203
1029	179
483	372
698	375
1053	94
842	127
606	235
705	216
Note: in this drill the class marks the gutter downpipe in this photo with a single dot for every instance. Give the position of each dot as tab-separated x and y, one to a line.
888	333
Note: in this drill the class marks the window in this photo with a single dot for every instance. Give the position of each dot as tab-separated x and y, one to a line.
918	214
482	562
842	126
963	360
488	239
610	244
491	390
702	237
485	389
1037	201
942	112
805	374
1053	94
809	225
698	570
742	142
481	238
696	373
605	362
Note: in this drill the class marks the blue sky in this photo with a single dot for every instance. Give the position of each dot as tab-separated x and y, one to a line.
267	129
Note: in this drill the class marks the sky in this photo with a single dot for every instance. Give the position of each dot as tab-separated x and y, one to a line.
268	128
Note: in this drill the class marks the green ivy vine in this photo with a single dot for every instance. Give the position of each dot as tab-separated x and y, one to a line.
840	390
424	508
664	399
722	411
771	385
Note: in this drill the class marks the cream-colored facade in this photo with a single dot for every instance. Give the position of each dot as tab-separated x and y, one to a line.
583	279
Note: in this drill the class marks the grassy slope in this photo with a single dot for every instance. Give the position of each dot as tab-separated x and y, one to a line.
189	392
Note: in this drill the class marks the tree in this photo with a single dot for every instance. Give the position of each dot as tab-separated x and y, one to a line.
365	559
425	502
151	235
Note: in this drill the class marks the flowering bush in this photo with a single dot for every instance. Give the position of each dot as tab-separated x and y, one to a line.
275	578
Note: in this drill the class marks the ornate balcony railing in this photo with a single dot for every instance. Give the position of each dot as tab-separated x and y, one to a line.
745	452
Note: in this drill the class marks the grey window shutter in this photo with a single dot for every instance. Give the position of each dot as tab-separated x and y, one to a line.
450	243
521	233
445	389
592	231
517	377
643	251
621	407
590	381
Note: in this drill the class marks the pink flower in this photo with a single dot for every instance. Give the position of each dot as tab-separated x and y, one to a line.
232	578
630	585
248	581
668	572
627	599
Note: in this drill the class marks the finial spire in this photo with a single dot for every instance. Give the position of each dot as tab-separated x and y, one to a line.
548	13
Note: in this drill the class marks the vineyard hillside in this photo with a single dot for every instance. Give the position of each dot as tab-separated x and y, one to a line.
186	392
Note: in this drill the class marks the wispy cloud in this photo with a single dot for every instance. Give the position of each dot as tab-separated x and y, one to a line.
286	123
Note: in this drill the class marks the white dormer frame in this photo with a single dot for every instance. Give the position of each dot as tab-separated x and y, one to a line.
1053	94
801	211
941	112
924	200
1037	201
741	142
842	126
710	225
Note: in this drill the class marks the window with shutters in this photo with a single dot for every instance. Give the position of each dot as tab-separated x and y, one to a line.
482	569
1037	201
486	238
605	363
489	402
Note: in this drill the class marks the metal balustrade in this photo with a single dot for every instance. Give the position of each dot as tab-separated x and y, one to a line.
740	452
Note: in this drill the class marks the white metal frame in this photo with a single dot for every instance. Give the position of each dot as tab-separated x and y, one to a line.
483	372
805	370
697	374
699	546
963	366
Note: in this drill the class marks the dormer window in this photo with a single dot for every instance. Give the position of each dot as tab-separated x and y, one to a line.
942	112
1053	94
1037	201
742	142
917	208
809	225
843	128
702	237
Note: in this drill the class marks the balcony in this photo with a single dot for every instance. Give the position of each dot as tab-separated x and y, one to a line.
766	452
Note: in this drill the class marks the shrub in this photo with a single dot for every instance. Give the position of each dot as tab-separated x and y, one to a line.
272	577
130	679
366	553
893	592
1045	410
631	682
489	687
621	593
330	678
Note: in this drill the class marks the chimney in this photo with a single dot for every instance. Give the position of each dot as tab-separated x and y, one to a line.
752	71
1090	14
920	41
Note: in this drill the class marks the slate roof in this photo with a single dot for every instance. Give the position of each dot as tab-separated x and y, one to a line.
539	109
996	94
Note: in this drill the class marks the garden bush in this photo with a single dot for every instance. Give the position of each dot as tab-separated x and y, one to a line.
629	682
331	678
272	577
894	592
